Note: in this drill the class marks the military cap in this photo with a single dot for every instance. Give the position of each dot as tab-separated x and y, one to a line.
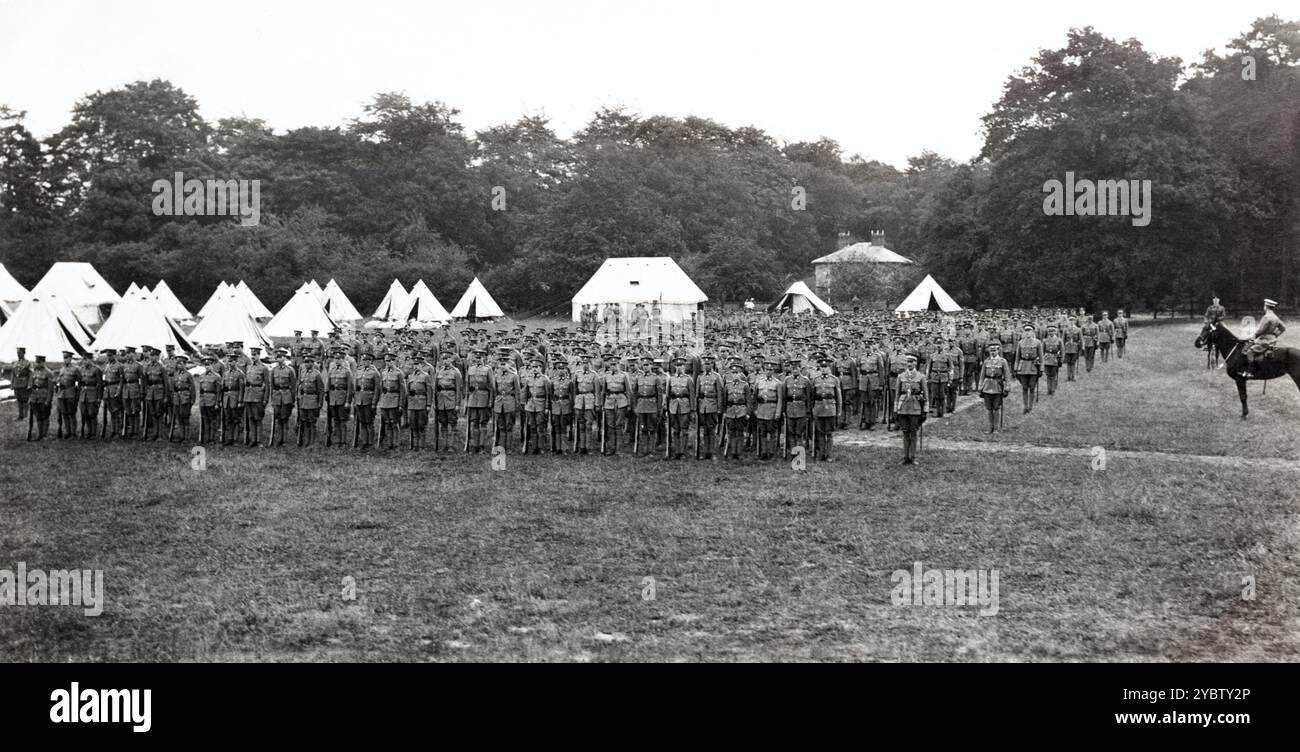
255	349
182	356
367	356
281	351
297	332
1270	303
105	351
1030	327
68	354
709	356
207	356
40	358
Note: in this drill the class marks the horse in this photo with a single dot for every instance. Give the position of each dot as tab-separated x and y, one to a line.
1281	361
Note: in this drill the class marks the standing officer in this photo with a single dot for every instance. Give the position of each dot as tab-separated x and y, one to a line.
92	391
366	397
419	395
506	403
68	381
112	375
796	397
478	400
1072	345
536	389
586	402
184	387
995	382
769	405
391	402
649	389
209	385
284	388
1029	366
339	381
448	395
1121	333
562	393
157	393
970	357
1053	351
826	407
311	391
1088	334
257	392
132	391
846	368
615	386
232	403
40	399
708	404
910	407
938	371
871	370
679	405
21	380
1105	335
736	389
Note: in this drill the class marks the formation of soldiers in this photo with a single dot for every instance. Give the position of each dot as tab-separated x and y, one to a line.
760	385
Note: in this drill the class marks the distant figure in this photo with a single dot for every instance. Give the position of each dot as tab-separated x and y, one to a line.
1215	313
749	304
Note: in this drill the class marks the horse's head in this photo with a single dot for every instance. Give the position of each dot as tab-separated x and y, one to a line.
1204	336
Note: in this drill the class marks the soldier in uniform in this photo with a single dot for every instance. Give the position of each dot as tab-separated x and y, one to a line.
40	399
1266	333
68	381
112	376
897	364
209	386
91	392
536	389
1029	366
587	385
1053	351
365	396
970	358
448	396
21	381
157	394
339	381
1072	345
871	381
479	383
615	388
132	391
995	382
1215	313
1105	335
769	405
419	396
232	402
649	389
846	368
184	387
562	392
737	394
1121	333
938	371
709	390
827	404
506	402
391	402
311	392
257	392
679	406
1088	334
284	388
910	407
796	399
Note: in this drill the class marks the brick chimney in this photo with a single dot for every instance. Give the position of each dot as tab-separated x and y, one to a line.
844	240
877	237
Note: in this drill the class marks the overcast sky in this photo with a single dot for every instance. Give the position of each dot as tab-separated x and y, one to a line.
885	79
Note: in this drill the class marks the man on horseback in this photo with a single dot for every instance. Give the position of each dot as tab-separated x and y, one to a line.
1266	334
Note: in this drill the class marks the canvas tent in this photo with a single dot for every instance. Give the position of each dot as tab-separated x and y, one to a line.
393	302
628	281
6	313
302	313
476	303
799	299
255	307
229	321
422	308
11	291
171	305
337	305
314	289
217	295
81	287
139	320
39	327
131	289
928	296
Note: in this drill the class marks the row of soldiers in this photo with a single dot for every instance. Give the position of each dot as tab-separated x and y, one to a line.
567	393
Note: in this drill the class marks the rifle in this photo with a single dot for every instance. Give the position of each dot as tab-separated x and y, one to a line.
523	433
668	435
30	414
699	418
329	424
602	430
103	425
636	435
144	419
248	424
171	430
300	422
383	431
203	425
574	428
467	428
356	429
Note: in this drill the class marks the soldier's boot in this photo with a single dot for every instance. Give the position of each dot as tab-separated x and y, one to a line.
42	427
22	409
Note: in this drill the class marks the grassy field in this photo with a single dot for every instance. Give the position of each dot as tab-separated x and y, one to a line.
547	559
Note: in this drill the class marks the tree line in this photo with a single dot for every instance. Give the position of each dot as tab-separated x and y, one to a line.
402	190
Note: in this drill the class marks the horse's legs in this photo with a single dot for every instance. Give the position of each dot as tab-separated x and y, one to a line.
1241	392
